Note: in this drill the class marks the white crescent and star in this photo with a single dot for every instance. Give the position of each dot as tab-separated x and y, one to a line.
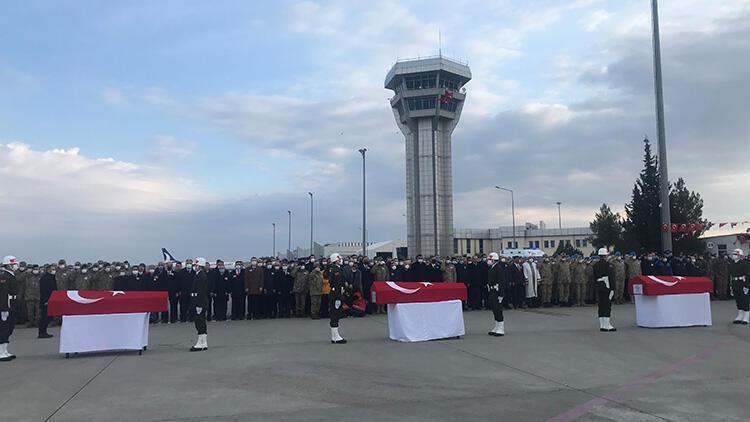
666	283
76	297
396	287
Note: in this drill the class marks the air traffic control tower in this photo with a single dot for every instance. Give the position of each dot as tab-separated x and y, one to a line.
427	104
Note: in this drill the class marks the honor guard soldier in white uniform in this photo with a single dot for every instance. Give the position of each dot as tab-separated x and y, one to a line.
739	276
605	285
8	297
496	288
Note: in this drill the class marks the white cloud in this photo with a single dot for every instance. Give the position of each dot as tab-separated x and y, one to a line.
169	146
595	19
75	186
113	96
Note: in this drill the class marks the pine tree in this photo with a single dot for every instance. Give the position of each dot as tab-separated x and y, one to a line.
643	223
607	228
686	207
567	249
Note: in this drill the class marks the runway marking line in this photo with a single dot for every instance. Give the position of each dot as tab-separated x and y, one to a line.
612	396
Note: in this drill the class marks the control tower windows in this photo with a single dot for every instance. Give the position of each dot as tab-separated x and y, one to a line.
422	103
421	81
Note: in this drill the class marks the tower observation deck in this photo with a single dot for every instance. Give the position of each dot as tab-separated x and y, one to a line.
427	103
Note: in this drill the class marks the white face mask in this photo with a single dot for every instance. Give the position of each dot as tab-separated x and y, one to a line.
254	263
393	267
284	267
34	271
53	272
736	257
107	269
135	272
269	266
61	266
84	271
407	266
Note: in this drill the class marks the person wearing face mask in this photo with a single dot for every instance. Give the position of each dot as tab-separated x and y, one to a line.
254	285
237	290
618	267
199	303
21	277
63	275
739	278
336	299
419	270
496	288
632	269
449	271
186	277
648	264
315	285
47	284
545	282
271	284
220	288
285	290
720	276
604	275
8	297
301	274
664	265
173	290
32	295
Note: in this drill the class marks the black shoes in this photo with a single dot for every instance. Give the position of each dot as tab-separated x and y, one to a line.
342	341
45	335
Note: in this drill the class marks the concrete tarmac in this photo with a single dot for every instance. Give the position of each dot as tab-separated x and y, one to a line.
553	364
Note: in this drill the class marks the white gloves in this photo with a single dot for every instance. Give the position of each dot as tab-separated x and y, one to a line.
499	299
746	290
198	309
337	304
611	294
4	315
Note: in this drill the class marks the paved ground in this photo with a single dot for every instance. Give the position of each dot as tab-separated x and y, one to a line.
554	363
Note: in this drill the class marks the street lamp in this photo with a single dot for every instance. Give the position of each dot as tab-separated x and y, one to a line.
274	240
289	247
364	203
559	216
311	223
513	212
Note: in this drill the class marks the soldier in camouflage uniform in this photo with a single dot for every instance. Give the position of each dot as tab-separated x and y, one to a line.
619	270
63	275
632	268
32	295
300	274
578	281
545	282
721	277
562	277
315	285
22	274
449	271
380	272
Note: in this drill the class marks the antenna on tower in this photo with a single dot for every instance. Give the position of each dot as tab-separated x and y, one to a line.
440	43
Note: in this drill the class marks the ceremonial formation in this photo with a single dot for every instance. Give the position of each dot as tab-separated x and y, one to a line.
349	286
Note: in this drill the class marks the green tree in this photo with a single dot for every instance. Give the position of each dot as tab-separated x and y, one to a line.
686	207
567	249
607	228
642	224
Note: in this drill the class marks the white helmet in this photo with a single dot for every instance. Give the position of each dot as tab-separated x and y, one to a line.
335	257
201	262
603	252
493	256
10	260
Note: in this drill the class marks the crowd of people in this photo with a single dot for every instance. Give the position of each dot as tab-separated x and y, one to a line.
278	288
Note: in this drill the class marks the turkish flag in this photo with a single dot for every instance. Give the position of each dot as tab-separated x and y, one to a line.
384	292
90	302
651	285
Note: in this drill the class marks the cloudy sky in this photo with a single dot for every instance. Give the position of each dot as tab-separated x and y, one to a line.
128	126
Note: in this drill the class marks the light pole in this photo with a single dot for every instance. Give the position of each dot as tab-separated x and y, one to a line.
559	216
513	212
289	247
666	236
311	223
274	240
364	204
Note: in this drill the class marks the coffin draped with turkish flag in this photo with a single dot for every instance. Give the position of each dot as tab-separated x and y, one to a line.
91	302
387	292
652	285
